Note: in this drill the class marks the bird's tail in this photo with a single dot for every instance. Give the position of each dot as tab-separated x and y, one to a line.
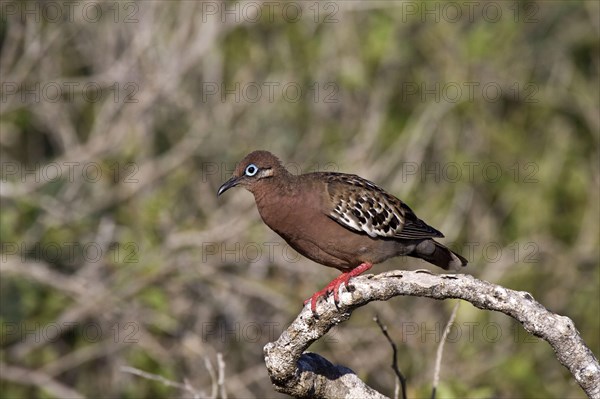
439	255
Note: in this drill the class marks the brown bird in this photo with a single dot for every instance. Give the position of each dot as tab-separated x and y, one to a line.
338	220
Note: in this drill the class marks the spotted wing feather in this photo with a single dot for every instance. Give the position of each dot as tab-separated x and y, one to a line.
362	206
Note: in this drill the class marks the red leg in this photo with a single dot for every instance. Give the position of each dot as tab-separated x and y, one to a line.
334	285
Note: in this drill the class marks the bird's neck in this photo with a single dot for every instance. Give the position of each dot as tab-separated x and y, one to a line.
279	199
272	190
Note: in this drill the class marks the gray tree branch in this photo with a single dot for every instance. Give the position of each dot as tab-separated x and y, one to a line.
304	375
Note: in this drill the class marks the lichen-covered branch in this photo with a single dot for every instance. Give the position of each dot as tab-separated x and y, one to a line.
301	374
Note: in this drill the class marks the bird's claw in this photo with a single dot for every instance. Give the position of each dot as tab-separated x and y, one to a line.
334	286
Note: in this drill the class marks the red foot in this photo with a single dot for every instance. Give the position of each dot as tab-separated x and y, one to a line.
335	284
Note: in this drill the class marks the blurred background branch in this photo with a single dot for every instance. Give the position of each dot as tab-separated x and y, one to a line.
119	120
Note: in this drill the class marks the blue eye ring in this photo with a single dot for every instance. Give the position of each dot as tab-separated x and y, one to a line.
251	170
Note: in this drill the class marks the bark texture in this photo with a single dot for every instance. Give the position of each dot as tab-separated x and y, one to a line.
303	374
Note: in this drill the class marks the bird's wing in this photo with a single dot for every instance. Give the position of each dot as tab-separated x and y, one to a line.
360	205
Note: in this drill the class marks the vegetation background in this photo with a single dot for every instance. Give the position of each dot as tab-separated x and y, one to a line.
119	121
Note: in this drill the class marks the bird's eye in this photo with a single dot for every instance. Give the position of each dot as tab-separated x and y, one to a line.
251	170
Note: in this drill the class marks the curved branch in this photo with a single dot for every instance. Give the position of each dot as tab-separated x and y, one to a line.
309	375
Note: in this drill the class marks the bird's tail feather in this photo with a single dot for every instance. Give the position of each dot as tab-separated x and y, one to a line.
439	255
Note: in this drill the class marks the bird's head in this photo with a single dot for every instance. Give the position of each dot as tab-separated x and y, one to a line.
254	170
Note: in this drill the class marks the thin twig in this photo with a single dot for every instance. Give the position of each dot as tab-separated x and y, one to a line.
163	380
399	376
440	350
213	378
221	374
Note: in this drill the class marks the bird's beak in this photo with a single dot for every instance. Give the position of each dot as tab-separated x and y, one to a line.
234	181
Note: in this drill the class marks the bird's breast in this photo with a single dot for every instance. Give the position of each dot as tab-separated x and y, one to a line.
289	216
305	226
